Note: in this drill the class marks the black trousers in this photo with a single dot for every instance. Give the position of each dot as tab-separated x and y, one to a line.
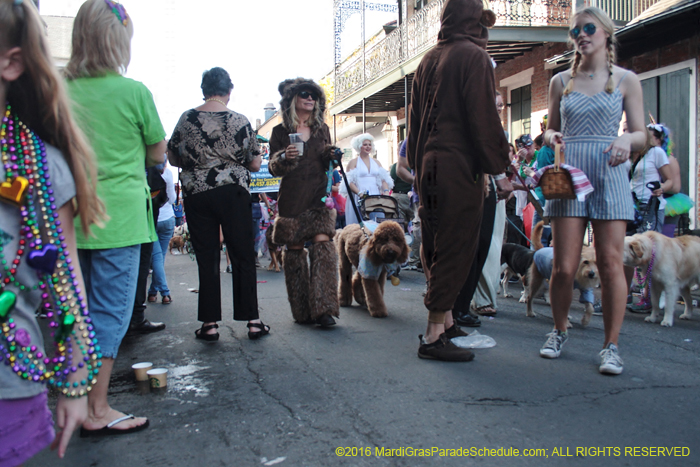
227	207
488	217
138	315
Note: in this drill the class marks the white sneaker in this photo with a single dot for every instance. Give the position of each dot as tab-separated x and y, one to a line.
610	361
555	341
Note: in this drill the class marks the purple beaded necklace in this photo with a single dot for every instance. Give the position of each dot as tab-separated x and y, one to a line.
27	185
638	276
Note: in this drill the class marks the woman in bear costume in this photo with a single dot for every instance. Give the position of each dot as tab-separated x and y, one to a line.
303	215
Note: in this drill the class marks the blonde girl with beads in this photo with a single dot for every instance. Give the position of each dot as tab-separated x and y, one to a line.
586	104
47	177
119	117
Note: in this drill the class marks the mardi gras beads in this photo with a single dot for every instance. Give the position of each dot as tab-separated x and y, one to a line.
41	241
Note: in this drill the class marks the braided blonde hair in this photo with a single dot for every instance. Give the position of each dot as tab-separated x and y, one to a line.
609	27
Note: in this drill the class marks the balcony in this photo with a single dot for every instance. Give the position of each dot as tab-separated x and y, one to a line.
621	11
407	43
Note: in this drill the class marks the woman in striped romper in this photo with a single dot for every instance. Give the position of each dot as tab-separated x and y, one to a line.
585	108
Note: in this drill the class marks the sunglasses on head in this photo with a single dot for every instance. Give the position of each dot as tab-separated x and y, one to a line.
588	28
307	94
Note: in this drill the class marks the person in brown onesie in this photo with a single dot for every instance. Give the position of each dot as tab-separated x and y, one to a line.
454	137
303	215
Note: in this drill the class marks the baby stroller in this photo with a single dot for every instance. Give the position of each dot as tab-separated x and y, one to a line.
380	208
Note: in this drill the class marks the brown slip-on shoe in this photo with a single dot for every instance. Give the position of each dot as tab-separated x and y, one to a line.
443	349
455	331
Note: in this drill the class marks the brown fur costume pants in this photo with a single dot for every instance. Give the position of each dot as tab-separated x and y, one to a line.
450	213
313	292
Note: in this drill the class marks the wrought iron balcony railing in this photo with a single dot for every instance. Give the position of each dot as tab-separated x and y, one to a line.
420	32
622	11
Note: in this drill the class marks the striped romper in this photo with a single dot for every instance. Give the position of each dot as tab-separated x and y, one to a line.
589	125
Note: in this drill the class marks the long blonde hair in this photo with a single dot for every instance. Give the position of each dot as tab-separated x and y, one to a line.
101	43
609	27
39	98
313	120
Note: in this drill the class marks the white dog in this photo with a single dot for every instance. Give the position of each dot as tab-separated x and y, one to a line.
675	269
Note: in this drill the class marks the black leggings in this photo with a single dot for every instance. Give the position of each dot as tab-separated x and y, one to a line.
229	207
466	294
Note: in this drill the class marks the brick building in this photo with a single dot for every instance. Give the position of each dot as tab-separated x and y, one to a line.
661	45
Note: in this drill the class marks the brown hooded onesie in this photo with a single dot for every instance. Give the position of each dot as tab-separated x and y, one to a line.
302	213
454	137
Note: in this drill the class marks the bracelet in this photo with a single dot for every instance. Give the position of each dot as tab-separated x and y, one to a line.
283	156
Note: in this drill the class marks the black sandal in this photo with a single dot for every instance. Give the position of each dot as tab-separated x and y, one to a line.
201	333
264	330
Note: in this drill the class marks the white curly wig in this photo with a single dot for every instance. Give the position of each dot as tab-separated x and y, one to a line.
357	141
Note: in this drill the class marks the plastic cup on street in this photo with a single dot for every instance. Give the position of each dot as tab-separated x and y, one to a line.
158	377
141	369
297	142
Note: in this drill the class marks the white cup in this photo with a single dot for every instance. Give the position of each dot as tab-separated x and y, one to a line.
141	369
296	141
158	377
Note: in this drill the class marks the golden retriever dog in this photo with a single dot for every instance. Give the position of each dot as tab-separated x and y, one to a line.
675	269
370	256
177	243
585	280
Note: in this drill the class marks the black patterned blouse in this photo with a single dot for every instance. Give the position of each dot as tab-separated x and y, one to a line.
213	149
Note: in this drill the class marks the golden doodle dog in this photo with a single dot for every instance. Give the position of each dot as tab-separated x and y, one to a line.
585	280
370	256
675	268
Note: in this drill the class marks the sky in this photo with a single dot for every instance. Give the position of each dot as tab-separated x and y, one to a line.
259	42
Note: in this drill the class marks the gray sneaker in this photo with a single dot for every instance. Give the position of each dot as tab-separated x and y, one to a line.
610	361
555	341
598	309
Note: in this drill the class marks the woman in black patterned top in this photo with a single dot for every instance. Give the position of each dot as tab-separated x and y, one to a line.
217	149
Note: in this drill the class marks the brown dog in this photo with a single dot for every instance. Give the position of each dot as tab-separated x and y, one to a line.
177	243
675	270
386	246
275	251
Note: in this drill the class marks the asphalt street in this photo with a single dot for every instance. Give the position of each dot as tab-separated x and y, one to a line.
358	395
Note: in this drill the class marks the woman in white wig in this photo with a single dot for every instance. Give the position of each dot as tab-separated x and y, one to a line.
365	175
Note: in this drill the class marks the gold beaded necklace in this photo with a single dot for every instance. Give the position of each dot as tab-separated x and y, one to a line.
217	100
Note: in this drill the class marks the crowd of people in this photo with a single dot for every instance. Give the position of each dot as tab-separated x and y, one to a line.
80	227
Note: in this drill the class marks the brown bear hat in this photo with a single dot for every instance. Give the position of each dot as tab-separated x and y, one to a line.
466	20
290	88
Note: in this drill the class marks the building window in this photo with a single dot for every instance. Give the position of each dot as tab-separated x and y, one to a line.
520	112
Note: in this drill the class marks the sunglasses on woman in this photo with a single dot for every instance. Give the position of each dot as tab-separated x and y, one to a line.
588	28
307	94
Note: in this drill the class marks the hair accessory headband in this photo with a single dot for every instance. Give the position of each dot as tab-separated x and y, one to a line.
118	10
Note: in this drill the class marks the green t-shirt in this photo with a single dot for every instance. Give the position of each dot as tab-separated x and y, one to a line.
399	185
120	119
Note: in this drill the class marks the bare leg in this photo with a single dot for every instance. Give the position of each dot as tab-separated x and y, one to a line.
434	330
567	233
610	241
99	412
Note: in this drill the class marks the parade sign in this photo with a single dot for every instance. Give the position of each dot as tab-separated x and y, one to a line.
263	182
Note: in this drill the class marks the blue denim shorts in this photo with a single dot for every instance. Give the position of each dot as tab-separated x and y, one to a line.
110	279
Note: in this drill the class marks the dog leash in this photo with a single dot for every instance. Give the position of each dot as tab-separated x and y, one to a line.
339	158
530	197
518	230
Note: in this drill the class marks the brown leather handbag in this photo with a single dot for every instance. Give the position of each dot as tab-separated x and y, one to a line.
556	182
